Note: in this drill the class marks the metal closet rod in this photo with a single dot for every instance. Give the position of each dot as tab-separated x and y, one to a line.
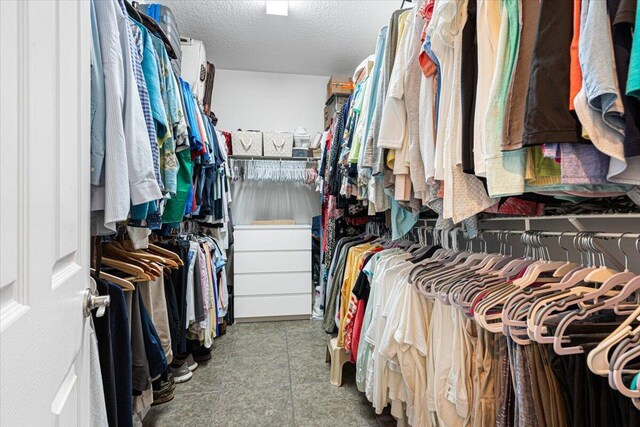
275	159
613	259
566	233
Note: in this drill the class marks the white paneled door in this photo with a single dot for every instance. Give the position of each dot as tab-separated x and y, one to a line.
44	212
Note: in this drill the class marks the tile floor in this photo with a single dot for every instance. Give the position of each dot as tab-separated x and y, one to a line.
268	374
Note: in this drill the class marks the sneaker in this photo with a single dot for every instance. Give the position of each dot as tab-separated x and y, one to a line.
202	357
201	354
160	385
162	397
181	372
191	363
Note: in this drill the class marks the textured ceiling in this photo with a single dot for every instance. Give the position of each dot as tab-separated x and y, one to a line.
318	37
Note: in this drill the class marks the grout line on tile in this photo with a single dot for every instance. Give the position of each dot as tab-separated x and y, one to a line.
212	409
293	410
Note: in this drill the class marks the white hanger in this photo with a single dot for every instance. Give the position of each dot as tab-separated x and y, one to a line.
598	358
629	351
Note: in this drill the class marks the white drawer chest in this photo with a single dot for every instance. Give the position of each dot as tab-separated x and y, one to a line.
272	272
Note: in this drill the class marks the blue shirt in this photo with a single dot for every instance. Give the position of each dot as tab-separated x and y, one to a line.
190	111
152	78
137	52
377	66
98	104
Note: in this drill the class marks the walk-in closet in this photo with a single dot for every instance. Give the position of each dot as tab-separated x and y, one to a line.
261	213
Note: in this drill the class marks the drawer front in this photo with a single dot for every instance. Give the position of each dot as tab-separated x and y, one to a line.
271	240
272	262
277	305
259	284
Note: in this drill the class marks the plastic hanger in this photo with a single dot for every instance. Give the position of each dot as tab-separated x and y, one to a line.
553	305
601	298
533	272
542	301
488	311
473	258
584	312
480	280
441	285
495	292
568	266
529	296
522	293
488	261
497	263
622	347
598	358
601	274
515	266
434	262
535	328
518	299
629	350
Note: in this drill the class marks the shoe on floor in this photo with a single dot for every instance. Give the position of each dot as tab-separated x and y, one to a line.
162	397
181	372
201	354
191	363
162	386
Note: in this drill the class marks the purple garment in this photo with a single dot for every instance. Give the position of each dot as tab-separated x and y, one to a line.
204	280
583	164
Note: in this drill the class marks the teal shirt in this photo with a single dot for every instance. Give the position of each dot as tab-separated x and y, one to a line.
170	96
402	220
375	79
152	79
633	81
511	171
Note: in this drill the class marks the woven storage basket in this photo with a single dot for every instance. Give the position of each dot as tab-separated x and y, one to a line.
247	143
278	144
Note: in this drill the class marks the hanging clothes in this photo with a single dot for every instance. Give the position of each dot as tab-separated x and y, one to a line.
424	327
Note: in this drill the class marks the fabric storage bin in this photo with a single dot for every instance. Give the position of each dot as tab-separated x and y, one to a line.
339	84
278	144
247	143
301	137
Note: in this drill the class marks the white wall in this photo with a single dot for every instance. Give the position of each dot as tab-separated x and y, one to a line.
269	101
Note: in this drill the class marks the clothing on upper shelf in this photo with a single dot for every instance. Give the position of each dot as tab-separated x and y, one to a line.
501	82
156	158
